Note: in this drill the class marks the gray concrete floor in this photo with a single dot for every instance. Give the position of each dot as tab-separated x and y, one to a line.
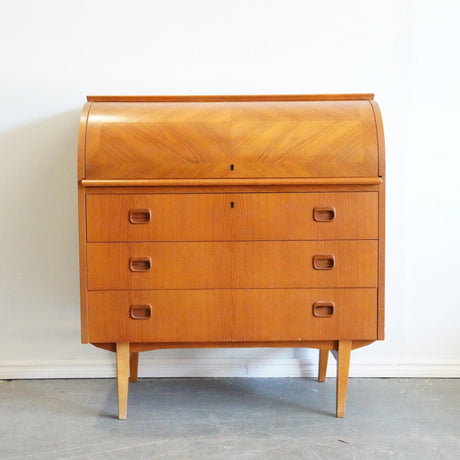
230	419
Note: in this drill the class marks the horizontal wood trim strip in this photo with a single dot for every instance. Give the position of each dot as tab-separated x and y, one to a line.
149	346
232	181
320	344
235	98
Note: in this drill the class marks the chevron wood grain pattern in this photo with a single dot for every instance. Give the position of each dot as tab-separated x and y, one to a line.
228	315
232	216
133	140
243	264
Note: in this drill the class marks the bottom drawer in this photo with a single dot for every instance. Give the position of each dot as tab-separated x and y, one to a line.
232	315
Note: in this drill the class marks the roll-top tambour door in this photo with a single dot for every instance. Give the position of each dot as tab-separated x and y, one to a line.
147	140
244	264
232	216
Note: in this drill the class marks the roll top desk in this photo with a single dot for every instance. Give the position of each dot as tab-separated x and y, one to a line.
231	221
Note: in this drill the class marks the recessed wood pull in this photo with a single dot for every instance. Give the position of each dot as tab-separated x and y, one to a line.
140	311
323	261
140	264
322	309
324	213
140	216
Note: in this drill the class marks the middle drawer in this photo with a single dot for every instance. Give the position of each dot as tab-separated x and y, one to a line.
232	264
232	216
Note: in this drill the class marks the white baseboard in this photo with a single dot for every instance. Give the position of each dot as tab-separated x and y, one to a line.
254	367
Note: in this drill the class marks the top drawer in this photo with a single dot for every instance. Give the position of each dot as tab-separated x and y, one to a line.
232	216
151	140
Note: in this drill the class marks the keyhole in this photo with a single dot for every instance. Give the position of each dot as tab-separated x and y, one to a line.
232	204
232	167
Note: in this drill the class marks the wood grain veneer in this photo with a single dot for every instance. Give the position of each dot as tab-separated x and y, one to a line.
232	216
231	139
227	315
231	221
240	265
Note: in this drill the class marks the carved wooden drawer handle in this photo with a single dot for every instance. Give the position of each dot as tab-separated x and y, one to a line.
140	264
140	311
323	261
140	216
324	213
322	309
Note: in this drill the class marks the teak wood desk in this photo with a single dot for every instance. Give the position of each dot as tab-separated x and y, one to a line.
231	221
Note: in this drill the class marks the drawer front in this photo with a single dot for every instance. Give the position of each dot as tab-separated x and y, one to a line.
232	216
239	139
232	315
244	264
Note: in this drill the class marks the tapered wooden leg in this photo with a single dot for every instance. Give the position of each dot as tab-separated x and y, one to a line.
133	366
343	367
323	355
122	378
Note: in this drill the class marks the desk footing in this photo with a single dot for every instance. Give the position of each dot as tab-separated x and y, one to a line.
128	362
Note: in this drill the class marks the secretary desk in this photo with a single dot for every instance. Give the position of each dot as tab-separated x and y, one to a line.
231	221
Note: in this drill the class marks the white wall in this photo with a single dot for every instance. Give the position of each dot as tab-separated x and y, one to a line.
53	53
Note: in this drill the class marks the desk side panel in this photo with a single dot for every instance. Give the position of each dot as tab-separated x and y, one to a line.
82	222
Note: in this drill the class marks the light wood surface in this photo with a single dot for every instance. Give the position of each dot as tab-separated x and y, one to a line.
343	366
233	264
122	378
226	315
232	217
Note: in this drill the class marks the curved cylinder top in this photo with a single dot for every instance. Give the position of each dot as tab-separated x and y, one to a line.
230	137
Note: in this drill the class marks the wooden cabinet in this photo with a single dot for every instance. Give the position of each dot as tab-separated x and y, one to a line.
231	221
